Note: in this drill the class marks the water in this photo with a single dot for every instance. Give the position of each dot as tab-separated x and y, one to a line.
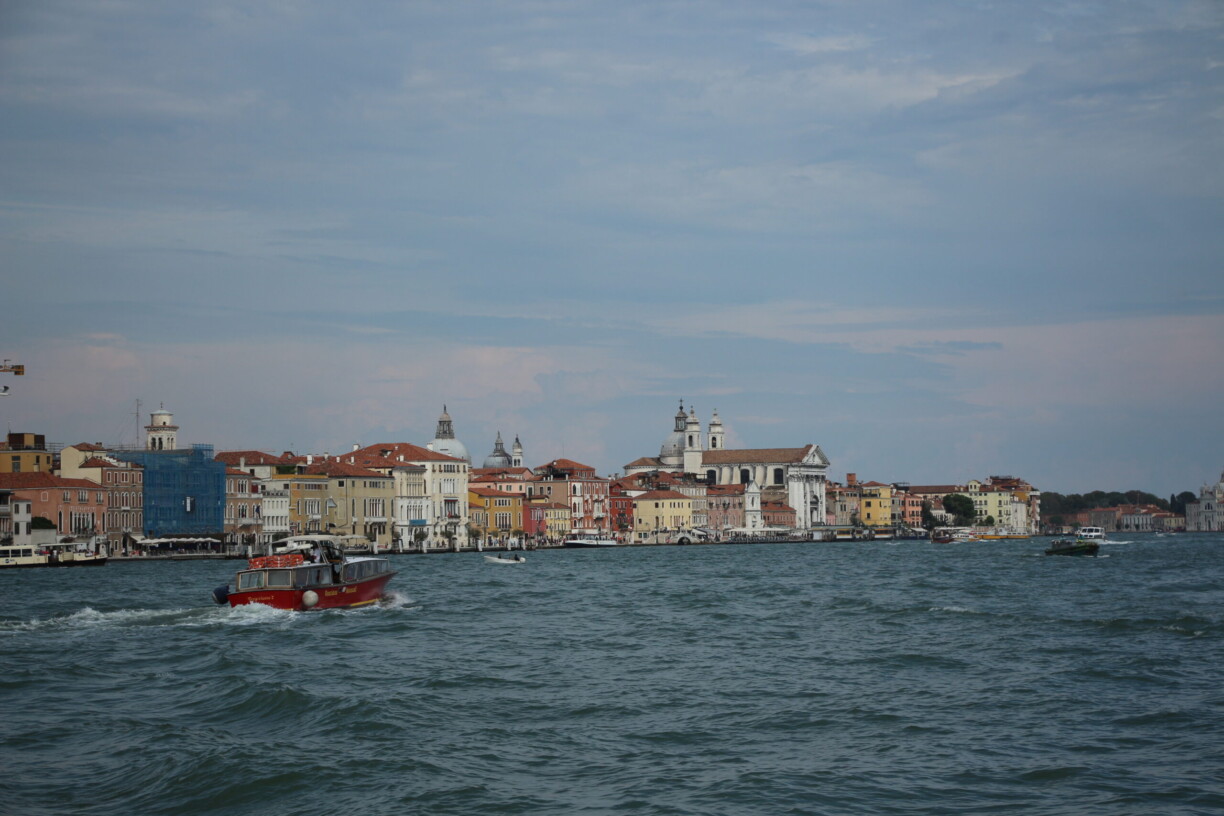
883	678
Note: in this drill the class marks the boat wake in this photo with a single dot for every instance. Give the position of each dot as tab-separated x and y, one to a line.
90	618
394	600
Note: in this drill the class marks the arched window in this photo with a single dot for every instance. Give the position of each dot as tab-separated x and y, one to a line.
711	477
779	477
744	477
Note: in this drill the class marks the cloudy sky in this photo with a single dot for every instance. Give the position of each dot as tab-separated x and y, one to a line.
943	240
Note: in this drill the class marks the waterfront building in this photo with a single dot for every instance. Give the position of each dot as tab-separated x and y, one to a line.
273	509
307	497
575	484
725	507
547	520
659	512
243	507
25	453
799	472
76	507
443	513
357	501
1206	513
843	502
124	483
877	505
499	514
184	491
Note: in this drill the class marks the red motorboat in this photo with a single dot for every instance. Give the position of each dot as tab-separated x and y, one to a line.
309	572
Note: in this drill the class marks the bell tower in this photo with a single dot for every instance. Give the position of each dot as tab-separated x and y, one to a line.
717	440
692	442
161	433
516	453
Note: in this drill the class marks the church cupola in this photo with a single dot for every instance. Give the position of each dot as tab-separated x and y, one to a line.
498	458
717	441
445	441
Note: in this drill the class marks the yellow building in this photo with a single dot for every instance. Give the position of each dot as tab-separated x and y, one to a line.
660	511
876	505
26	453
496	513
358	502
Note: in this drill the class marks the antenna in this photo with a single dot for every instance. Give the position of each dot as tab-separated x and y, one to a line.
136	439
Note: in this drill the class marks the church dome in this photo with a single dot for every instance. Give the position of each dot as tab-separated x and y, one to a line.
671	453
498	458
445	441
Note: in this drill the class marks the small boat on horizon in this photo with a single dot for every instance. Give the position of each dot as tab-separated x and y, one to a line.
1072	546
308	572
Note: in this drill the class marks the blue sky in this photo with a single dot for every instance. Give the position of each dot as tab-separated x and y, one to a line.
943	240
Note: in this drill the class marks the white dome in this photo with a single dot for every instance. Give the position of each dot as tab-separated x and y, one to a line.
451	447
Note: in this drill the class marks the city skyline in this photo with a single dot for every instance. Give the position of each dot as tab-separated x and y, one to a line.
941	241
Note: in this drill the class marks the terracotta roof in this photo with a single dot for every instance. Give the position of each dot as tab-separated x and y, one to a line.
490	493
406	452
731	489
755	456
334	469
660	494
97	462
645	461
88	446
39	480
253	457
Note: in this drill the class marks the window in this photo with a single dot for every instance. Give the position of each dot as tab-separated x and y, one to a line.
250	580
280	578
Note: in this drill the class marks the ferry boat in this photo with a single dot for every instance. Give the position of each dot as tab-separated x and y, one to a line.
953	535
308	572
1091	533
49	555
590	541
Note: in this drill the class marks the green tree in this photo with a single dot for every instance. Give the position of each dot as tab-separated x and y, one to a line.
40	523
961	508
929	521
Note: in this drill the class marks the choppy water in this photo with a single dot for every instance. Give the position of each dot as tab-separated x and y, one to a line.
903	678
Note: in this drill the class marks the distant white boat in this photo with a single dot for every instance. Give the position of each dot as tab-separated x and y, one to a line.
511	559
1091	533
590	541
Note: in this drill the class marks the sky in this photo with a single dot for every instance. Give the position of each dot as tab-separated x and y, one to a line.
942	240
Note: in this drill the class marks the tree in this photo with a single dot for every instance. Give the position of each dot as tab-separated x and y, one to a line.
961	508
929	521
40	523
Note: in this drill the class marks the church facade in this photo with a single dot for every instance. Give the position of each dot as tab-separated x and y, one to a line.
799	474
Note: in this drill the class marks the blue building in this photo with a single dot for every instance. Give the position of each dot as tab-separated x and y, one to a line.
184	490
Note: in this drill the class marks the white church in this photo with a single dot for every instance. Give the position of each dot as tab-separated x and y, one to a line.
799	473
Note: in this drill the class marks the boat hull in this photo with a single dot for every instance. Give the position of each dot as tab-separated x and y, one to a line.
334	596
1075	548
38	562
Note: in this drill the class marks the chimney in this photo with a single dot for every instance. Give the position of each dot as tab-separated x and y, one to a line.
242	463
851	479
356	447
